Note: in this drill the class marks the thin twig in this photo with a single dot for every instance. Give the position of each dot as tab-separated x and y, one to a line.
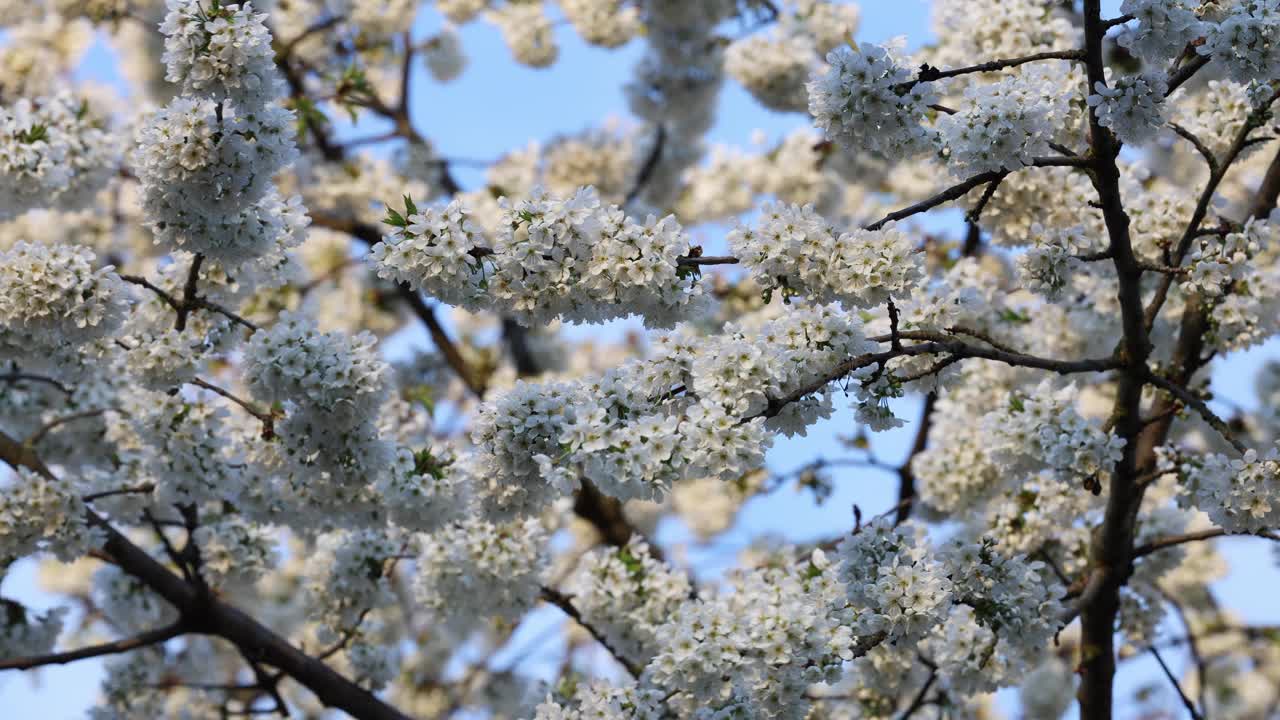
1199	406
918	701
1186	701
975	214
444	343
287	49
1175	540
1198	144
39	434
650	165
16	377
929	73
267	418
564	602
707	260
189	293
146	639
136	490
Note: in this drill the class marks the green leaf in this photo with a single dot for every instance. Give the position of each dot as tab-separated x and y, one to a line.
394	218
421	394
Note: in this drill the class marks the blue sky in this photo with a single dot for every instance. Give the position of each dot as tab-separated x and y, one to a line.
497	106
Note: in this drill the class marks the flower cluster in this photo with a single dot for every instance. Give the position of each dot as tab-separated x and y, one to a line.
1239	272
1215	113
461	11
751	366
474	569
1164	28
753	649
1046	268
234	552
331	386
1010	608
1005	123
605	23
956	468
601	158
1219	262
53	298
327	372
773	70
206	171
528	32
181	444
969	29
828	23
22	633
1238	494
794	249
206	161
43	514
602	701
1132	108
1040	427
1048	690
867	100
220	51
692	410
1246	41
127	603
627	594
54	152
436	251
572	259
900	585
443	56
347	577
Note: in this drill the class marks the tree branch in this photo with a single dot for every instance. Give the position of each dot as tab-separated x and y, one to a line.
189	293
650	165
16	377
267	418
1175	540
141	640
1187	398
1186	701
185	305
1112	544
443	342
1198	144
564	602
201	612
929	73
39	434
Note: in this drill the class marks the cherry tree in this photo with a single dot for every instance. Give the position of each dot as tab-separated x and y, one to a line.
249	498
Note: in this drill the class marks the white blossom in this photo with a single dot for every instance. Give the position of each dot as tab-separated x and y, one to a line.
1164	27
1131	108
606	23
1238	494
798	252
773	70
43	514
1005	124
528	32
220	52
1244	41
473	569
53	297
443	55
55	152
868	100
